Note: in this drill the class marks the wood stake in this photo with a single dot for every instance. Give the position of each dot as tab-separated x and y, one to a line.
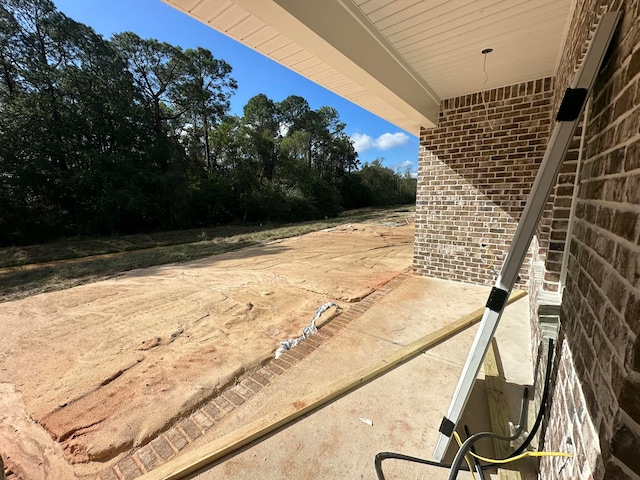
499	416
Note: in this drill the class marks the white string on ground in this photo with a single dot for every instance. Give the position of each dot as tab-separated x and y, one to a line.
306	331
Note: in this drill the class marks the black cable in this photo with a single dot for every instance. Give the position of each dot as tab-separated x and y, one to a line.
543	403
476	462
471	440
398	456
457	461
456	466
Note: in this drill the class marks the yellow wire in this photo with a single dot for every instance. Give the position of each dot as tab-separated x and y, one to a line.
517	457
466	457
525	454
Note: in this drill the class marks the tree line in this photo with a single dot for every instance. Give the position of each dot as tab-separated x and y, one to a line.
132	135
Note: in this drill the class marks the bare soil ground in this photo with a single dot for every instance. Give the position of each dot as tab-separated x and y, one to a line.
93	371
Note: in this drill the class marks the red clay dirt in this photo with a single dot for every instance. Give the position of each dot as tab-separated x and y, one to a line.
93	371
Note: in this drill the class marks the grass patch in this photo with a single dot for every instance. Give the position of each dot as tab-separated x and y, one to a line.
26	271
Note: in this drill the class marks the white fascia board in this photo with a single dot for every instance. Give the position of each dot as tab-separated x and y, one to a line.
337	33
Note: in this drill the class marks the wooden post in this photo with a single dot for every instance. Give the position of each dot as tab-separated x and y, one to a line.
498	411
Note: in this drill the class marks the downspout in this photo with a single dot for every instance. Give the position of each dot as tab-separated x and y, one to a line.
574	198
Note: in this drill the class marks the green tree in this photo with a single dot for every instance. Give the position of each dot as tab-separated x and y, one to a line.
67	109
186	93
294	113
262	127
384	186
134	135
156	68
204	96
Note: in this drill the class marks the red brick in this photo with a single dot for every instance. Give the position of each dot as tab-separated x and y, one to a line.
614	472
106	475
360	308
233	398
324	334
176	439
128	468
251	384
289	358
314	341
190	429
270	370
330	328
304	348
632	317
260	379
148	458
201	420
162	447
243	391
624	225
214	412
223	404
503	159
630	396
294	354
280	363
340	322
625	446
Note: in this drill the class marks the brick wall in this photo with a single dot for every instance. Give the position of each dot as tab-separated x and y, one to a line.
474	176
596	404
556	220
555	224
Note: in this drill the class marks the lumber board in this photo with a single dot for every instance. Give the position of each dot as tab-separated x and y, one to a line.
498	411
194	460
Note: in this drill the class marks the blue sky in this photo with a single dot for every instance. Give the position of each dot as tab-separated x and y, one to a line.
373	137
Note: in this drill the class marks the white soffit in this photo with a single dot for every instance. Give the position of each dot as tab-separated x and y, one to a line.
443	40
398	58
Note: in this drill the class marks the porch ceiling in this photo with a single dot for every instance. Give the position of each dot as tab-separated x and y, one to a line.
398	58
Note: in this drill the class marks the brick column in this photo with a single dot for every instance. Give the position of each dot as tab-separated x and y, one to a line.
474	177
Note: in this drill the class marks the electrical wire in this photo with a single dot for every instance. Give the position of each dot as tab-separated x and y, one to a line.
468	444
468	460
486	79
457	461
511	459
398	456
543	402
476	463
464	448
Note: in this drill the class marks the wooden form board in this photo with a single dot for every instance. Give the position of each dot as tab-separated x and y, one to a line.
498	412
194	460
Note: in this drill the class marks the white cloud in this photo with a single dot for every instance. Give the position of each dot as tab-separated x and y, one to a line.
363	142
387	141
